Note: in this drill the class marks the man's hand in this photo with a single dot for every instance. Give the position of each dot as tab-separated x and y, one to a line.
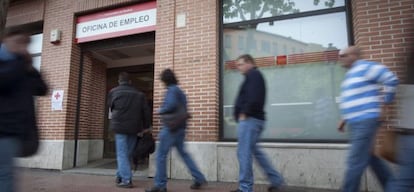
341	126
148	130
242	116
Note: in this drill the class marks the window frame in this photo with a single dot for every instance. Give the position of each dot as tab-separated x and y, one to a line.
347	9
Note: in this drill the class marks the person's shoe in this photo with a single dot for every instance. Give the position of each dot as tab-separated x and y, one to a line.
118	180
156	189
237	190
124	184
275	189
198	185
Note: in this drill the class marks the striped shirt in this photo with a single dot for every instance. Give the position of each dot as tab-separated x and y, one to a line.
366	87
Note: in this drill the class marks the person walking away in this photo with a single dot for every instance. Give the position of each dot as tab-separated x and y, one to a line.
129	116
173	137
19	82
362	103
249	113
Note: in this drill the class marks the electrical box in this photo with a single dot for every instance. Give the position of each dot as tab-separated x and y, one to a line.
55	36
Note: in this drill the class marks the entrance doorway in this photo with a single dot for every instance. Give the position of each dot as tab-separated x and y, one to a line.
142	79
135	55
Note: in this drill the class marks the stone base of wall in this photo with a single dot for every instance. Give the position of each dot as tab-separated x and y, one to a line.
59	154
303	165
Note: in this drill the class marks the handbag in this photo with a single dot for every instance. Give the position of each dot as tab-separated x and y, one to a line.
174	119
388	145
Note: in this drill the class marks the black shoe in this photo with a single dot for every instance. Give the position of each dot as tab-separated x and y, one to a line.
125	184
118	180
237	190
156	189
198	185
274	189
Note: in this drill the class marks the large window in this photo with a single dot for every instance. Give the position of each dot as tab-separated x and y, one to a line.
302	92
35	49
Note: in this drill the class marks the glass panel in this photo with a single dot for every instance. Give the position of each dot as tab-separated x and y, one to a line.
245	10
35	46
37	62
301	72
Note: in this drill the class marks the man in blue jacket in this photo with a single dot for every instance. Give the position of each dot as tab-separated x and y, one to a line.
249	112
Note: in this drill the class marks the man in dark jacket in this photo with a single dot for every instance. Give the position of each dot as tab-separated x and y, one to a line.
129	116
250	114
19	81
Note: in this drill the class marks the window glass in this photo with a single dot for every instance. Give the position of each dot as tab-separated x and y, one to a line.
302	92
245	10
36	44
36	62
35	49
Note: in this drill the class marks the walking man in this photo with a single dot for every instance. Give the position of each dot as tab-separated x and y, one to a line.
250	114
19	82
368	87
129	116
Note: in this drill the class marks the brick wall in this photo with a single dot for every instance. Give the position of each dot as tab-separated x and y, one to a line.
191	51
60	66
384	29
24	12
93	95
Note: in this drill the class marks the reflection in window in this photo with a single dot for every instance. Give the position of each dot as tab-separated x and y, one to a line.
246	10
241	43
227	41
301	93
265	46
35	49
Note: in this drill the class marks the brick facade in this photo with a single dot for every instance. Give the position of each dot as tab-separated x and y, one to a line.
191	51
383	29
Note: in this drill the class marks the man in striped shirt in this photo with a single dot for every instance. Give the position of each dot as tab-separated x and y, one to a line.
368	87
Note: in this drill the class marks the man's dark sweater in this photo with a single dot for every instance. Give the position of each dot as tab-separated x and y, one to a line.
252	96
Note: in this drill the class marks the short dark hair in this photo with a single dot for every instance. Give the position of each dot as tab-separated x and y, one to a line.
247	58
17	31
168	77
123	77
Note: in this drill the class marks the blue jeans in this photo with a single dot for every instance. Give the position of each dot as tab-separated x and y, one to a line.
125	145
361	155
9	148
168	140
404	180
249	131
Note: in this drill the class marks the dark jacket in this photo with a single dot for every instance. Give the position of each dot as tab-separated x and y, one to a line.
173	98
129	108
252	96
19	82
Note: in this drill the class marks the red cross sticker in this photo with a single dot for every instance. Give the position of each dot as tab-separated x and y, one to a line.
57	95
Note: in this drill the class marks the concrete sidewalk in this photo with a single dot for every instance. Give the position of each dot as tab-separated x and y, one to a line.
31	180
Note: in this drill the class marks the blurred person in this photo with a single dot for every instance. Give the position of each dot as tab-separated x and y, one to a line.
19	82
367	89
129	116
404	179
173	137
249	113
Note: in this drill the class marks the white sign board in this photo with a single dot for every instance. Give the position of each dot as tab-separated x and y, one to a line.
57	100
115	23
